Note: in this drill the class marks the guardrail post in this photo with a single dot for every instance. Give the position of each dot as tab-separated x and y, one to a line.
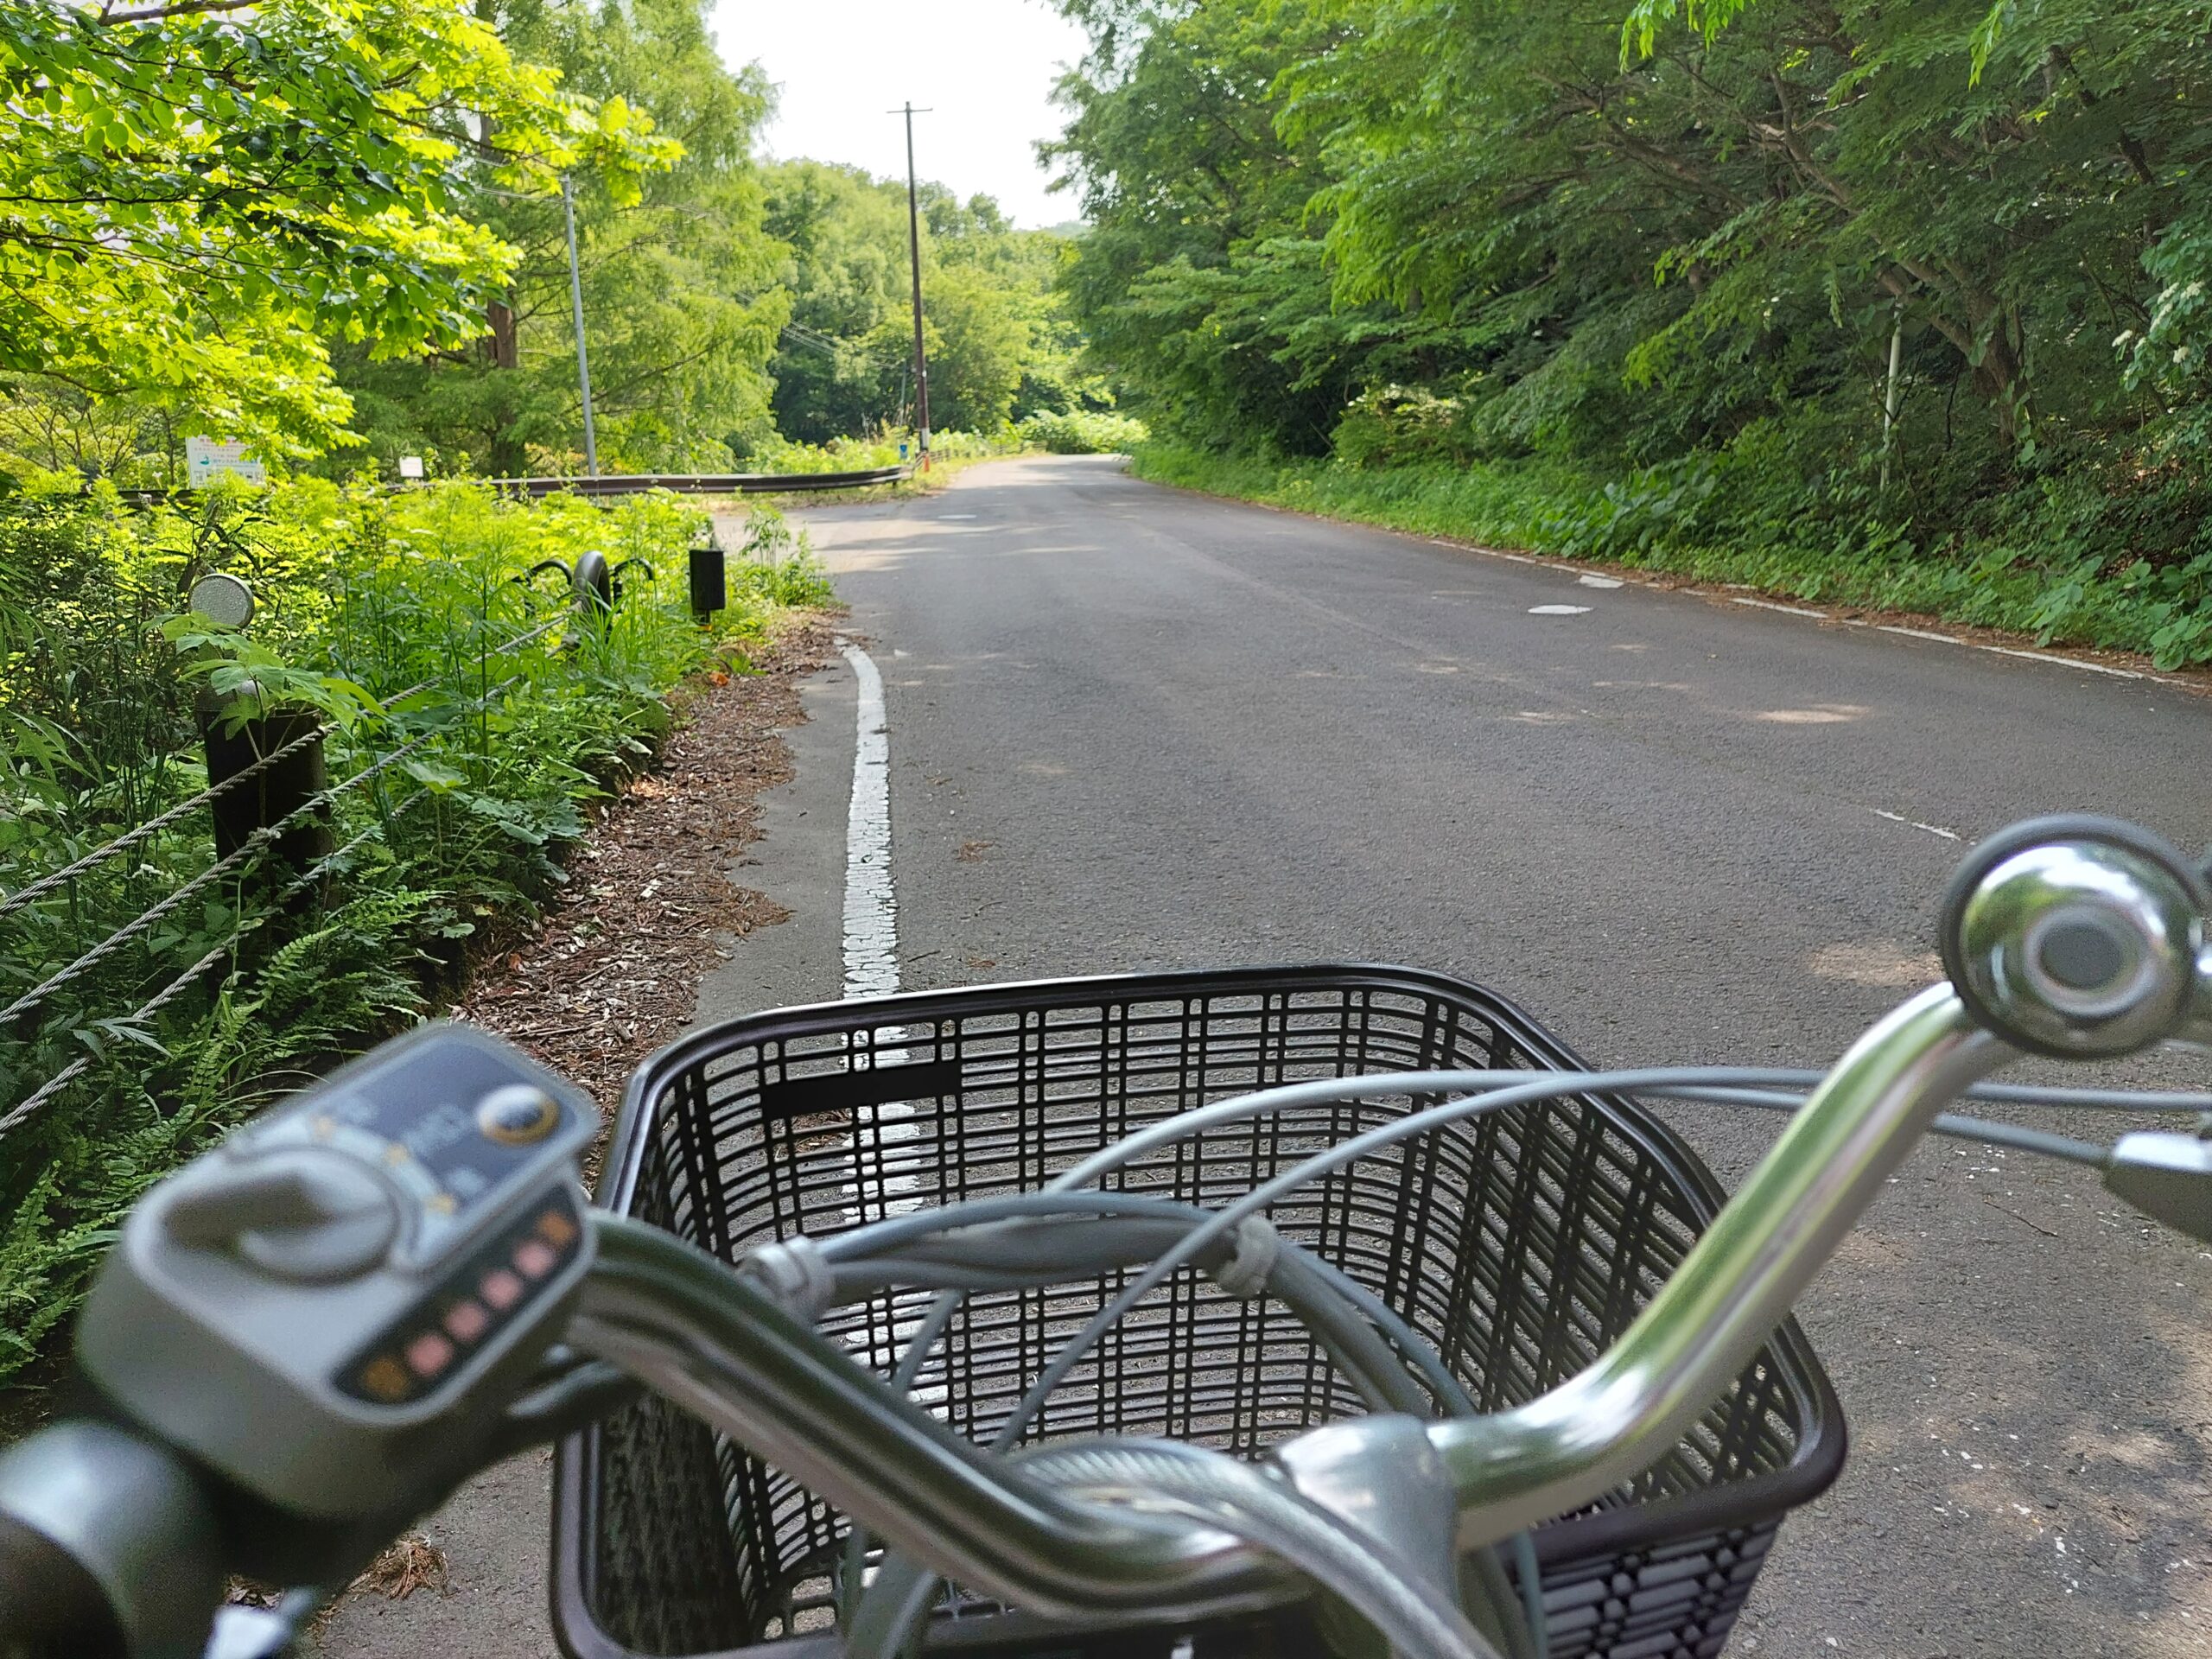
276	792
710	577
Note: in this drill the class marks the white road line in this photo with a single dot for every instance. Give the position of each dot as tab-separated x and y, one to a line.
1558	610
871	907
887	1175
1488	552
1915	824
2061	661
1787	610
2057	658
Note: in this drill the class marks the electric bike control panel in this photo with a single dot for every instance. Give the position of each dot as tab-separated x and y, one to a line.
340	1297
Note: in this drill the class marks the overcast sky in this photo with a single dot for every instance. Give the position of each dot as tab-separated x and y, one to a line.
985	68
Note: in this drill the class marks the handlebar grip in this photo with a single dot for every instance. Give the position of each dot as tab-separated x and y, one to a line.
108	1547
51	1606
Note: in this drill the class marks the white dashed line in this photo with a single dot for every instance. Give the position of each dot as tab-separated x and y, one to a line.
1558	610
1787	610
1915	824
2058	659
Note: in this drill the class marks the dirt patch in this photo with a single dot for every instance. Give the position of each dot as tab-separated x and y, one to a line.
615	971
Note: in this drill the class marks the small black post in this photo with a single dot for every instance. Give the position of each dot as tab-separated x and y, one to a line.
276	792
710	578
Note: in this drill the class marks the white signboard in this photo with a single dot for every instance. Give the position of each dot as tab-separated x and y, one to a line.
205	461
411	466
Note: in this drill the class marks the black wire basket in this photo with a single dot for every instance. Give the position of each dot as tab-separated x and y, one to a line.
1520	1242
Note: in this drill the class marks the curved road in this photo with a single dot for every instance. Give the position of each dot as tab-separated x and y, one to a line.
1131	728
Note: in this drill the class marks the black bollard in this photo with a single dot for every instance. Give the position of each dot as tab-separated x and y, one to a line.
709	579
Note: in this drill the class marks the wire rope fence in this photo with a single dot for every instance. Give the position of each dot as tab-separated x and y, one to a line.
236	869
232	853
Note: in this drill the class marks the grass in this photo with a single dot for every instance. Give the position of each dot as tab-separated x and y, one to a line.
2038	587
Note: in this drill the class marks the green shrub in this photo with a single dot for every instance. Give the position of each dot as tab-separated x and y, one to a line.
407	621
859	454
1400	426
1082	432
2077	563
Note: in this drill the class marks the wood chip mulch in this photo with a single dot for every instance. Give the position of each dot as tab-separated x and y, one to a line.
614	972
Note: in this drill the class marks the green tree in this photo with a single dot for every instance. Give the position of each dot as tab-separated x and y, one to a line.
999	342
193	195
1695	258
681	306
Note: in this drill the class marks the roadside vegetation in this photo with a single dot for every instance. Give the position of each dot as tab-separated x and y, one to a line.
335	233
475	718
1895	306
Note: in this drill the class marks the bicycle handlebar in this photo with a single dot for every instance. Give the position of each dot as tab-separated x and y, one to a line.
2074	936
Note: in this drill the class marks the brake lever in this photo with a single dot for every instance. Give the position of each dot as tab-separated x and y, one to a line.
243	1632
2168	1176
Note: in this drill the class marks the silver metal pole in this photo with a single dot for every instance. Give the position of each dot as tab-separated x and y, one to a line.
1890	397
576	306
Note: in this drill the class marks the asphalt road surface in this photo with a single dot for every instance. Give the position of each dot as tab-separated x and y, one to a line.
1130	727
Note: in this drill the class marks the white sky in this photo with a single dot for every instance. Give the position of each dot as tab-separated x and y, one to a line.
986	68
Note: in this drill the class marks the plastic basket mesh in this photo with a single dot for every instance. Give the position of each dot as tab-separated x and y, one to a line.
1520	1244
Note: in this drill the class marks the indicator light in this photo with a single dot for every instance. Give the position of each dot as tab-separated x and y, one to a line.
428	1354
384	1379
534	1259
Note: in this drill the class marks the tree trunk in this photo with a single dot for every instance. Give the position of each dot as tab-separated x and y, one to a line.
502	349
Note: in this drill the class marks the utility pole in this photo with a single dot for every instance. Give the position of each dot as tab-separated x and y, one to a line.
914	256
576	306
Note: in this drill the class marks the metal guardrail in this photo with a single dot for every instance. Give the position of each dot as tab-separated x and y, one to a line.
637	483
704	483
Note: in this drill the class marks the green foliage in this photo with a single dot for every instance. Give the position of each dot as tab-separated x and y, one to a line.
1665	518
191	194
681	307
409	622
999	345
1424	232
1081	433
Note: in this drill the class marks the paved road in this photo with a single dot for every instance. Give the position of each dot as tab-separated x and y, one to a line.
1131	729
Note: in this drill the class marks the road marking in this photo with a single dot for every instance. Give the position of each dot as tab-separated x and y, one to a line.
954	517
2059	658
1491	552
2065	662
1915	824
1787	610
886	1163
871	907
1558	610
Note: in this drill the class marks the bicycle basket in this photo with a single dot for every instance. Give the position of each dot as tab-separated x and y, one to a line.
1520	1244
